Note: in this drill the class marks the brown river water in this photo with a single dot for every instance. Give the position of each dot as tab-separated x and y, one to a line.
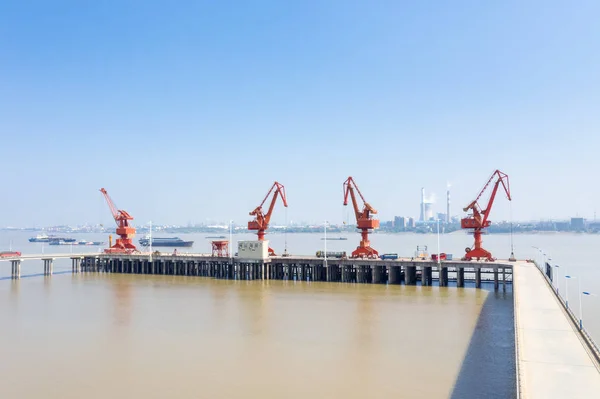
131	336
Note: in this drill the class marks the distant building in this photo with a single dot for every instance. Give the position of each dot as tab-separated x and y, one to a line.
577	224
441	217
562	226
399	222
594	226
411	223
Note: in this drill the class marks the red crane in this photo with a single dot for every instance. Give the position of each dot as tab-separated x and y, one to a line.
364	220
478	220
261	220
125	232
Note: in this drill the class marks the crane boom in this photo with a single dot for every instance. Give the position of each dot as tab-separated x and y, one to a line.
478	220
117	214
261	220
364	219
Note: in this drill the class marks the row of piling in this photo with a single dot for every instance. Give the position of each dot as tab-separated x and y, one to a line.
408	273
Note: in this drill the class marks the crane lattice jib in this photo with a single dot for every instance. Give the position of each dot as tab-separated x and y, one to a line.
262	219
502	178
118	214
349	187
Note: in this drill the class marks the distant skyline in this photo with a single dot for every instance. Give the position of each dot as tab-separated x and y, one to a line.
191	110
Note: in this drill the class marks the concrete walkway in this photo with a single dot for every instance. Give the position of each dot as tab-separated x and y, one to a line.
552	360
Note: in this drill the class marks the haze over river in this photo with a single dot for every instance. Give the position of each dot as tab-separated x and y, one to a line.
98	335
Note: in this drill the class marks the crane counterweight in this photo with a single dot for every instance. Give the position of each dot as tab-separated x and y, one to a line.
364	220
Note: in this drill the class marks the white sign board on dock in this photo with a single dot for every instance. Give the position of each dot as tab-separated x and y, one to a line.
256	250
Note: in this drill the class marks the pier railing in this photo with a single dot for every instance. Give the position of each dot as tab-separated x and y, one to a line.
587	338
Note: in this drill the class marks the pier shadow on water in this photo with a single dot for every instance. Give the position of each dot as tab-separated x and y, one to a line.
488	368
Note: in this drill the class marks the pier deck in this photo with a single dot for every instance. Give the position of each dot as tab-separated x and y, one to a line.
553	360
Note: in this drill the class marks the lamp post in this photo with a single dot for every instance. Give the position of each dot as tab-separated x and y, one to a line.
557	275
438	241
230	239
539	255
325	244
567	290
586	293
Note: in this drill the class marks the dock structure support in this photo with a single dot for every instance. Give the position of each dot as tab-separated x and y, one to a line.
410	275
76	265
48	266
15	269
460	276
496	282
291	269
394	274
443	272
376	272
428	273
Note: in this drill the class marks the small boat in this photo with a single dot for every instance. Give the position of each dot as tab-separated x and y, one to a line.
334	238
84	242
215	237
165	242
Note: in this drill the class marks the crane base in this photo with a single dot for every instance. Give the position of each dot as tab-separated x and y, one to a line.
479	254
365	252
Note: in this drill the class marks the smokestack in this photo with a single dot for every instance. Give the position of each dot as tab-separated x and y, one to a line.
422	216
448	205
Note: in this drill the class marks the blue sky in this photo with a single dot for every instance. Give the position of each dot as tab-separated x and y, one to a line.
188	111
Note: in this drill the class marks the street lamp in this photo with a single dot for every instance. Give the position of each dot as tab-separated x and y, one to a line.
581	307
325	244
230	239
567	290
438	240
557	275
540	254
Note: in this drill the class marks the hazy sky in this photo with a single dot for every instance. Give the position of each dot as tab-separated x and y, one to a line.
188	111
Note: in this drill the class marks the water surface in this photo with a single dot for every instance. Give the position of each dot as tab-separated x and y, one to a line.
99	336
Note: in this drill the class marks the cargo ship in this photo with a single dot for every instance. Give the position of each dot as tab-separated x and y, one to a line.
47	238
334	238
82	242
165	242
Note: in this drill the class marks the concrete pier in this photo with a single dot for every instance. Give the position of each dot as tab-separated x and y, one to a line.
428	275
362	271
443	272
410	275
75	264
48	266
298	268
496	282
553	359
460	278
15	269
